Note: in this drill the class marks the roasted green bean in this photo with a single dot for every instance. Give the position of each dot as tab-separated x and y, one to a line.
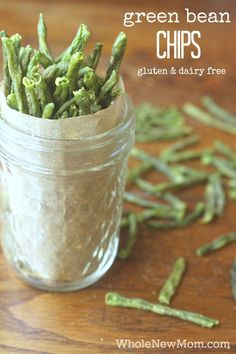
138	200
114	299
25	58
48	111
216	244
160	165
15	73
207	119
132	235
218	111
185	221
225	150
224	166
106	88
214	198
82	99
12	102
173	281
75	62
33	103
179	145
94	57
78	43
117	54
61	94
42	38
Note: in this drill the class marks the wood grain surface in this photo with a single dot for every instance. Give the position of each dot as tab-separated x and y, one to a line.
32	321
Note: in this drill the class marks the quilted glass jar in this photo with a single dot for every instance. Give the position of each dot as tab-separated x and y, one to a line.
62	203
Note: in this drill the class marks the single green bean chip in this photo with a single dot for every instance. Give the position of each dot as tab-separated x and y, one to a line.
82	71
75	63
185	155
83	101
48	111
107	87
208	119
12	102
91	82
216	244
94	105
140	201
117	54
224	166
115	299
131	240
166	186
163	134
210	202
160	165
33	65
165	212
43	60
78	43
34	106
218	111
61	94
25	54
172	283
225	150
214	198
64	107
15	73
179	145
182	222
16	40
94	57
42	37
42	90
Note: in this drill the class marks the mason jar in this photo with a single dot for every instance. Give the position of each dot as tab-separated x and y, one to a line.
62	203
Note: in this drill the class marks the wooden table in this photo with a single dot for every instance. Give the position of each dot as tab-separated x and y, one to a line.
33	321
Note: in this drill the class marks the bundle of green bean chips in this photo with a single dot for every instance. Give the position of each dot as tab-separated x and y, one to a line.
38	86
62	99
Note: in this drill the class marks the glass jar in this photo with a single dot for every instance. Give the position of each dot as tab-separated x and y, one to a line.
62	203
